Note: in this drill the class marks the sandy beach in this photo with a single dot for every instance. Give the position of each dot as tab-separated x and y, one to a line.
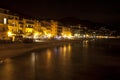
16	49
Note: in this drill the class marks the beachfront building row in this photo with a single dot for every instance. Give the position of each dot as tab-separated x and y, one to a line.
12	25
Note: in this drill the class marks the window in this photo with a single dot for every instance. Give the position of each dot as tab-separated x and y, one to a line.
5	20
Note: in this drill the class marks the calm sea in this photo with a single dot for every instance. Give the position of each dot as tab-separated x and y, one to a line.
84	60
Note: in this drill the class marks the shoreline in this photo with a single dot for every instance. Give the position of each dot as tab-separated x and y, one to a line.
16	49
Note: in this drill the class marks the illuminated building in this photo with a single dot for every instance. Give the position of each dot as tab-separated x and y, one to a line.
28	29
46	29
54	26
59	30
13	24
5	27
66	32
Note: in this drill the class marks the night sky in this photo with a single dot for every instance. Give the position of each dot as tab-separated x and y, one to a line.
93	10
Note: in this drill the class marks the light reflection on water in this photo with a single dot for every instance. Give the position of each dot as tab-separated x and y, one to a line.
86	60
85	43
9	68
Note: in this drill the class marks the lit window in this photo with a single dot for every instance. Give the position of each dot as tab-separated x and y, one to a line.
5	20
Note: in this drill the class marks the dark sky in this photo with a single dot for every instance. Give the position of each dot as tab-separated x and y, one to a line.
94	10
